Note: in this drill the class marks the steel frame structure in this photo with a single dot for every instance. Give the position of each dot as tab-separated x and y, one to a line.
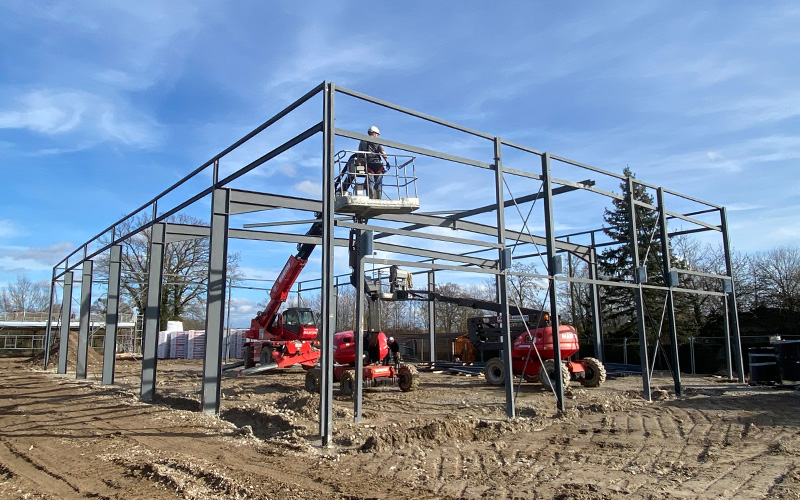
227	202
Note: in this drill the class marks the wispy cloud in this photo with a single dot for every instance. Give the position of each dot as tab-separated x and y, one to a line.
8	229
79	116
16	259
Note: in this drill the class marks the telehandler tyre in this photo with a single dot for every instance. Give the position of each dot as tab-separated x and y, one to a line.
547	374
313	377
594	372
347	383
408	378
495	372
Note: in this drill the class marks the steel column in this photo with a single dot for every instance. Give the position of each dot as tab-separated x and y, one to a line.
731	297
594	296
666	258
215	301
152	312
727	330
358	331
85	313
571	287
112	314
638	294
502	279
66	312
432	315
328	305
48	332
549	224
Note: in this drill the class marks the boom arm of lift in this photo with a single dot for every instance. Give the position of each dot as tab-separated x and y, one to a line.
287	277
535	316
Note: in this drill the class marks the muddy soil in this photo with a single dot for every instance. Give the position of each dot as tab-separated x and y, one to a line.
64	438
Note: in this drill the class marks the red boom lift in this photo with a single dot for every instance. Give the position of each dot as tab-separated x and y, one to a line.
278	340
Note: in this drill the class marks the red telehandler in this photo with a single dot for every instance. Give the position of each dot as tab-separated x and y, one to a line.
278	340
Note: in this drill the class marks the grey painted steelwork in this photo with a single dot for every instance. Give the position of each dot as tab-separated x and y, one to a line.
594	304
483	238
502	280
726	328
432	316
112	314
555	321
152	313
66	312
731	297
328	280
358	333
638	294
48	330
215	302
85	312
666	258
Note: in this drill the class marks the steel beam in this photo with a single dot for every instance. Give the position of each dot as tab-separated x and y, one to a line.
411	149
112	314
152	312
66	313
215	302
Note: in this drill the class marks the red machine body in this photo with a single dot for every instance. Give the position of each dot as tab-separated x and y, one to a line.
280	339
374	374
344	347
523	354
531	346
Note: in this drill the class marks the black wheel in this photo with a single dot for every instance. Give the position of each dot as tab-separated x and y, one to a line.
495	372
247	354
347	383
266	355
547	374
594	373
313	377
407	378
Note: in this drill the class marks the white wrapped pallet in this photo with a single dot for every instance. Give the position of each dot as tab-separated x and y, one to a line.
236	342
163	345
177	345
195	344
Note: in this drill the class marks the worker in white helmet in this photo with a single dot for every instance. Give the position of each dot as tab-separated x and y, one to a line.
376	157
394	352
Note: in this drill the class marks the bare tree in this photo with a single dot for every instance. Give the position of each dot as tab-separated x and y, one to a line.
779	270
525	290
185	269
24	295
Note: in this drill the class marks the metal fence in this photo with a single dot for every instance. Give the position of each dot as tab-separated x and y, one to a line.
700	355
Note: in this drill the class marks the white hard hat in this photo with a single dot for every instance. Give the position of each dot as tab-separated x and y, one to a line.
373	129
391	339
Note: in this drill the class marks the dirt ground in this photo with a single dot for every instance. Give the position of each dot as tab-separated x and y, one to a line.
63	438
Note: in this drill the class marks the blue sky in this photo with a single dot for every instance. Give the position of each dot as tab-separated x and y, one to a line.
105	104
